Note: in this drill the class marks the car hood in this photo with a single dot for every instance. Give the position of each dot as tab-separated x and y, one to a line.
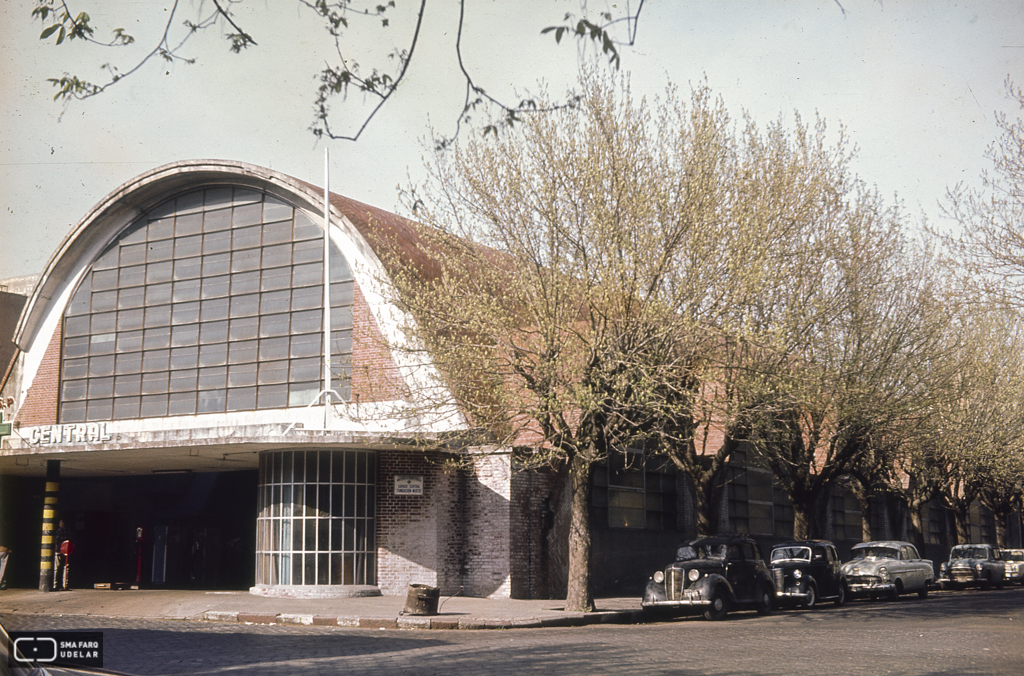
966	562
867	566
699	564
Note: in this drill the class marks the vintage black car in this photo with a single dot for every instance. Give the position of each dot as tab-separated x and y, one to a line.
713	575
806	571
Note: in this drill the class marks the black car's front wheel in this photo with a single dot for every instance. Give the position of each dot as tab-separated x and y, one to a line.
764	600
841	599
719	607
812	596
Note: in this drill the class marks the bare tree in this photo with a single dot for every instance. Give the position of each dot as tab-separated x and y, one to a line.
991	240
377	78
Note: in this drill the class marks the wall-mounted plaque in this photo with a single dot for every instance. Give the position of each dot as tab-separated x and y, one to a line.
408	484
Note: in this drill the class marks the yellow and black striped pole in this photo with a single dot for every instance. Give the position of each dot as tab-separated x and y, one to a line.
49	521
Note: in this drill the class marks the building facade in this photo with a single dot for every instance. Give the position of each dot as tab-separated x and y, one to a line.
169	360
166	382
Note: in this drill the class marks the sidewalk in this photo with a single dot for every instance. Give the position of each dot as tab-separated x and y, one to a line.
379	612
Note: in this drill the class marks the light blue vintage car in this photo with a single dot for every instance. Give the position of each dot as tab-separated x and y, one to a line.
980	565
887	569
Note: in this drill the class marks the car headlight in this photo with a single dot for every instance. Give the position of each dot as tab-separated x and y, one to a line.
693	575
883	573
943	567
659	577
798	573
977	567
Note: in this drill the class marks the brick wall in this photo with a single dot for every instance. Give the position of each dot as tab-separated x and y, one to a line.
375	376
534	499
408	525
40	405
487	540
455	536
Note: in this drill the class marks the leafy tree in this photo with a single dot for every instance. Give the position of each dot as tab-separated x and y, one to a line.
910	467
1002	495
979	426
377	81
854	333
762	200
575	277
989	249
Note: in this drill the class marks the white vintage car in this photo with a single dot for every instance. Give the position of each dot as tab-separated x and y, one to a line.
1014	559
887	568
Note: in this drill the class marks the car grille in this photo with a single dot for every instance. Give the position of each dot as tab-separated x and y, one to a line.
675	583
780	579
962	575
863	579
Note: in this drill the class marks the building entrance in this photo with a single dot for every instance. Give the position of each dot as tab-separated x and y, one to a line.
182	530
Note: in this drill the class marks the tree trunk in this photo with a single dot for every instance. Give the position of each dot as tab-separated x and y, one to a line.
703	509
1001	518
963	526
916	525
578	596
706	504
1000	532
801	522
865	511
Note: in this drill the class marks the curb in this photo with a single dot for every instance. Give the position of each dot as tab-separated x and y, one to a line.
420	622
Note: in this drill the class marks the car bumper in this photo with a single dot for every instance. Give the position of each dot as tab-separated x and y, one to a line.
655	597
793	595
870	587
680	603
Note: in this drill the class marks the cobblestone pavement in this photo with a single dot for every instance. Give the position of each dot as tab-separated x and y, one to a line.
948	633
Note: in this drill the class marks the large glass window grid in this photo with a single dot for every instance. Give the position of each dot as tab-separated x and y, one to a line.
634	490
982	523
752	497
315	523
847	523
211	302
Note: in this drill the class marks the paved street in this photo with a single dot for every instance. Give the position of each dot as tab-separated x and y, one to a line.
969	632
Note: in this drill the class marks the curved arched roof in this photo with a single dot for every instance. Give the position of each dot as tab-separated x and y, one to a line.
116	211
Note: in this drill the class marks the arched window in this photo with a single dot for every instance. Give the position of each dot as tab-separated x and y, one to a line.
209	303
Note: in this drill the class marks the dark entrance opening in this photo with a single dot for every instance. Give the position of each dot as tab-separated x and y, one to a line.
184	530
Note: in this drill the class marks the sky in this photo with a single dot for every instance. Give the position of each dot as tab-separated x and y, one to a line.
916	84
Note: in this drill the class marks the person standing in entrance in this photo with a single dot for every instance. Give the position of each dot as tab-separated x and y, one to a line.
5	553
61	551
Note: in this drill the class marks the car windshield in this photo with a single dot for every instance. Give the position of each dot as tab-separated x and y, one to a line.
1014	556
705	550
876	553
791	554
968	553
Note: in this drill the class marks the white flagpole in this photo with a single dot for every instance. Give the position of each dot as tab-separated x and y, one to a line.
327	291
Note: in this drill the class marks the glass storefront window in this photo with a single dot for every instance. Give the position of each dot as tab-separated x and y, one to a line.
315	523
